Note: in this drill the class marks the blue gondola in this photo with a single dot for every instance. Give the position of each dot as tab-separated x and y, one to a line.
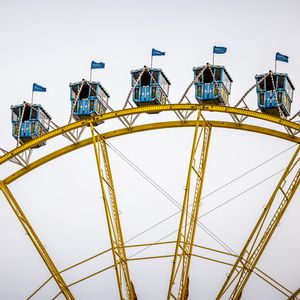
208	91
151	89
88	99
29	121
270	96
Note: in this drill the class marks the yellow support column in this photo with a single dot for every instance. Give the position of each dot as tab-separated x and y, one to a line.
261	235
179	279
126	288
36	242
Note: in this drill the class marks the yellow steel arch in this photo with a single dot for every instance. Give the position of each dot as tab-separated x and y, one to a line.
141	128
151	109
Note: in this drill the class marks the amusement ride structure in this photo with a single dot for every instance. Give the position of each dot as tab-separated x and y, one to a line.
32	127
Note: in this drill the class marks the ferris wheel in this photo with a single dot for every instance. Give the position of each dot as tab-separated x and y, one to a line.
147	108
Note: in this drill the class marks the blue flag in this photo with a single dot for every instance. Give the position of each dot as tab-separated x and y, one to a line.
219	50
157	52
282	57
38	88
95	65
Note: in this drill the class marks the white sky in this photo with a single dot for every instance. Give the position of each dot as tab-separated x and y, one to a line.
52	43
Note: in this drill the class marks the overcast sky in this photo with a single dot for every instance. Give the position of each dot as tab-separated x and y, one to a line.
53	43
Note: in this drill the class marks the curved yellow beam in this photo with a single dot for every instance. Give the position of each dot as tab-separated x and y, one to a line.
145	127
150	109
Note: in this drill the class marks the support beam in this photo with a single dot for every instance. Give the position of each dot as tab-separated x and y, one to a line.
179	279
261	234
126	288
36	241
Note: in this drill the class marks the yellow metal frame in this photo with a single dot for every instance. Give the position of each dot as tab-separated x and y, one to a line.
257	240
146	127
257	271
179	279
289	131
125	285
150	109
36	241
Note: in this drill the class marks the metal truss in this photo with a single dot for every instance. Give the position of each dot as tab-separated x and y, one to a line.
22	159
36	242
261	234
122	114
179	279
126	288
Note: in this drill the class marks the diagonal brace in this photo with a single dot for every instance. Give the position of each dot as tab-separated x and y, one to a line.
36	242
261	235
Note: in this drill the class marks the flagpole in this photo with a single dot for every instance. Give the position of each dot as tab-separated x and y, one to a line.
275	65
151	61
213	58
32	97
91	74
